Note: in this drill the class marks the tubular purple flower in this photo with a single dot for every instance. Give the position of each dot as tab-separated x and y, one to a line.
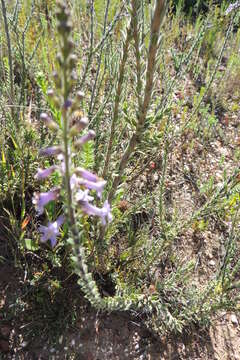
51	151
85	138
42	199
51	231
82	196
87	175
44	173
107	212
104	213
97	186
73	181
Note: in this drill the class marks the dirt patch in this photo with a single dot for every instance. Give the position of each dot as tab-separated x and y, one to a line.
99	336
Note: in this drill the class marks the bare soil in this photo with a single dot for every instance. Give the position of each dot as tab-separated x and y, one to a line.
26	334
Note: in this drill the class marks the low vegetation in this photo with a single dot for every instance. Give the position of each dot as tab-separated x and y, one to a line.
145	95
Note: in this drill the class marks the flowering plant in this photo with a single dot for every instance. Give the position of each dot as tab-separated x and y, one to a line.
79	184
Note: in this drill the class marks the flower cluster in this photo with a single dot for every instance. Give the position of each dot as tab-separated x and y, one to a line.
79	184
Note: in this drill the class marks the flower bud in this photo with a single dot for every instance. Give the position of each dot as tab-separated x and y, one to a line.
72	60
73	76
50	93
57	80
59	59
67	104
67	48
85	138
80	95
78	126
48	121
64	27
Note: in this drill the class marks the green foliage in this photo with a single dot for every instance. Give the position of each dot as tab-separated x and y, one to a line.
177	189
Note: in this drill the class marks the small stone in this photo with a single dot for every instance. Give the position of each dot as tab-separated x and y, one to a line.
212	263
234	319
155	177
143	178
137	347
24	344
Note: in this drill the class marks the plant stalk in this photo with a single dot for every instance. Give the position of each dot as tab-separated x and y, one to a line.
159	12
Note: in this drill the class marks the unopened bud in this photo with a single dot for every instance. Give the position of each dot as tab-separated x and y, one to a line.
80	125
73	76
48	121
67	104
80	95
72	60
50	93
59	59
57	80
64	27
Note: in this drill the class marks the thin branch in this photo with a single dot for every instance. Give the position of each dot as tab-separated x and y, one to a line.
117	99
99	61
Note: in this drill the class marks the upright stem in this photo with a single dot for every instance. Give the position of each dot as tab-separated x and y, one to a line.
159	12
10	61
90	55
117	100
135	16
99	62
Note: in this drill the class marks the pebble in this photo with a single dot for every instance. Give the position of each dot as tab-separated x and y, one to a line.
234	319
137	347
210	256
212	263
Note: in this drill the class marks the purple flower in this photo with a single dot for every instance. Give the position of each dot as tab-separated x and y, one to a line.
67	104
61	157
44	173
104	213
98	186
82	196
51	231
85	138
87	175
83	123
51	151
73	181
42	199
